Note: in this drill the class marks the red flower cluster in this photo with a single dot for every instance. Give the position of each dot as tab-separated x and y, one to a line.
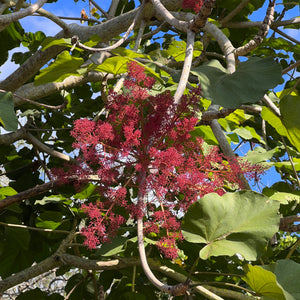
195	5
148	135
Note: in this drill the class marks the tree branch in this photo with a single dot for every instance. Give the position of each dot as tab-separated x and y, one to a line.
168	17
234	12
200	19
186	67
13	17
262	33
75	40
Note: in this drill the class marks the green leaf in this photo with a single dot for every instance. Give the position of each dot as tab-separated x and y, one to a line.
273	120
283	197
240	222
116	246
260	154
52	41
177	50
7	191
290	108
287	274
64	66
247	133
50	199
115	65
7	112
247	84
263	282
86	192
128	53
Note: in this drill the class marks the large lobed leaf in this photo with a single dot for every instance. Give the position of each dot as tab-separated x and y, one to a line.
240	222
278	280
64	66
247	84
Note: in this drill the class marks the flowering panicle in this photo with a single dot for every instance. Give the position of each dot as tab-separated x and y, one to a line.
195	5
148	135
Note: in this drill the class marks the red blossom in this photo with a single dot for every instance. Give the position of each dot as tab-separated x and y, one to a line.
195	5
148	134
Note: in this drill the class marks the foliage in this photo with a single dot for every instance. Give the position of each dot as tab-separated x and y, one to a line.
94	144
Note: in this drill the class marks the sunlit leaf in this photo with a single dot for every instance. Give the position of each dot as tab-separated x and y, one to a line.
64	66
240	222
263	282
290	108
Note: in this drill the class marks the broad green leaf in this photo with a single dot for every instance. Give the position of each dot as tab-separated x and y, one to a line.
283	197
247	133
263	282
115	65
20	236
128	53
64	66
260	154
206	132
247	84
177	50
7	191
116	246
7	112
240	222
52	41
47	224
287	274
85	192
273	120
50	199
287	164
290	110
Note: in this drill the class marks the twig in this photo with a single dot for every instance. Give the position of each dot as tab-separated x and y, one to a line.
34	228
234	12
75	40
38	104
33	140
186	67
99	8
262	33
266	99
13	17
291	67
113	8
295	246
287	36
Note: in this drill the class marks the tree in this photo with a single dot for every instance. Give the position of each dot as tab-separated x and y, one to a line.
123	177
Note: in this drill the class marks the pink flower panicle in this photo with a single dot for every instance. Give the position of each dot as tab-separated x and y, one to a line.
148	134
194	5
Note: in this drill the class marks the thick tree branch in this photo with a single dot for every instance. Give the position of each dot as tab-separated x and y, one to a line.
13	17
35	92
168	17
76	43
